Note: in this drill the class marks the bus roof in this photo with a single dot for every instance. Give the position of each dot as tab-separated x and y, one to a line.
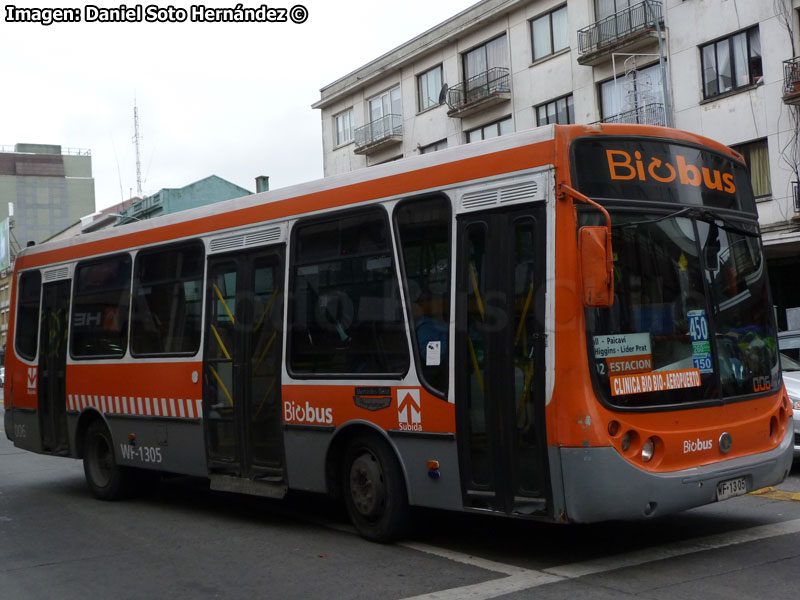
419	174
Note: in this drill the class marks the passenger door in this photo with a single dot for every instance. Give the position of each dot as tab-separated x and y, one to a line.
52	367
242	369
500	360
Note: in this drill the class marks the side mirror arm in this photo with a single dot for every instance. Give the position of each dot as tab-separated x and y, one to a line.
595	253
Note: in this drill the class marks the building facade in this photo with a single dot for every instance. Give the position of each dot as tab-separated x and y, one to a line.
50	189
720	68
166	201
43	189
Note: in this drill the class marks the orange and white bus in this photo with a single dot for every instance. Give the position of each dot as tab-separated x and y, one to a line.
571	323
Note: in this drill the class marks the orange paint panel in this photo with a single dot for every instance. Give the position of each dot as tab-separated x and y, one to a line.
689	438
146	389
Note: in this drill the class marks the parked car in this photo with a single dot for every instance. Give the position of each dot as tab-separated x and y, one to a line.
789	344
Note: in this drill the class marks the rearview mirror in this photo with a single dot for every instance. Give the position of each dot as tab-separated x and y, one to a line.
597	267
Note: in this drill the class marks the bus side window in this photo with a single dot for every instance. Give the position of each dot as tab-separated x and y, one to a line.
345	312
100	310
167	300
26	338
423	228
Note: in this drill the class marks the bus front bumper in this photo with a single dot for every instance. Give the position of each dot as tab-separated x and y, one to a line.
600	485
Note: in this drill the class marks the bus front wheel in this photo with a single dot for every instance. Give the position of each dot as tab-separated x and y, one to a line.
106	479
374	490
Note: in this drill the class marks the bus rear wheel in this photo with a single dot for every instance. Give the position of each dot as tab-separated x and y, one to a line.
105	478
374	490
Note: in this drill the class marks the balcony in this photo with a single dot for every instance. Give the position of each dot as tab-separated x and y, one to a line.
628	30
791	81
386	131
649	114
479	92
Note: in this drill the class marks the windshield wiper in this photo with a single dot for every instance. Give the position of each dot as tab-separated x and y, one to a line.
706	215
700	214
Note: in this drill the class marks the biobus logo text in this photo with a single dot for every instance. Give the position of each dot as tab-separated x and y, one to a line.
622	166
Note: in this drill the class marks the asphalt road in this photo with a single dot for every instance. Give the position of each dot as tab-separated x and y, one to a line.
183	541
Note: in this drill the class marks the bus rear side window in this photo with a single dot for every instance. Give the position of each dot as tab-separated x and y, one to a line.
100	307
346	311
167	301
26	338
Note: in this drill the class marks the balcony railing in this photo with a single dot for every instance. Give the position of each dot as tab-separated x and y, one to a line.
388	128
791	80
492	84
613	29
649	114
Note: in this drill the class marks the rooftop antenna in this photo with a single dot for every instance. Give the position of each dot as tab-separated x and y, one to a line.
136	138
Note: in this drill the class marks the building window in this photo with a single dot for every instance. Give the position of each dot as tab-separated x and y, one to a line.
550	33
440	145
731	63
608	8
429	85
491	55
635	98
756	155
385	104
498	128
344	127
561	111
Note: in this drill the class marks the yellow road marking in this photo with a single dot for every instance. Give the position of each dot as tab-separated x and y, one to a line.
772	493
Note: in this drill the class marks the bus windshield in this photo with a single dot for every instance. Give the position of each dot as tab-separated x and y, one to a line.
691	318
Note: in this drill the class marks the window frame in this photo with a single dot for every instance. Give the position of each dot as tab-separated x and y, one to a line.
76	293
728	39
403	272
336	141
549	16
655	66
568	105
434	146
293	266
481	128
21	352
421	103
135	286
387	92
484	46
745	150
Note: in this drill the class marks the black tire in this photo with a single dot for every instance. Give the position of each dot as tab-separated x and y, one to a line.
374	490
105	478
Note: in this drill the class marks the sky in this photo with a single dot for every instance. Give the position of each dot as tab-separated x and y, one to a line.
226	99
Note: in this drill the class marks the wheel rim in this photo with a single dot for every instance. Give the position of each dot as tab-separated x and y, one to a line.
367	487
102	461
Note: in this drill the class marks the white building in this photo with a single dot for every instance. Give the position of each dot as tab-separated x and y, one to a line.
720	68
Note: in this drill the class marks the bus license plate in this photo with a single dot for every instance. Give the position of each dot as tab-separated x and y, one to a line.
731	488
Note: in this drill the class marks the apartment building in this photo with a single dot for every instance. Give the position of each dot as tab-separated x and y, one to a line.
721	68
